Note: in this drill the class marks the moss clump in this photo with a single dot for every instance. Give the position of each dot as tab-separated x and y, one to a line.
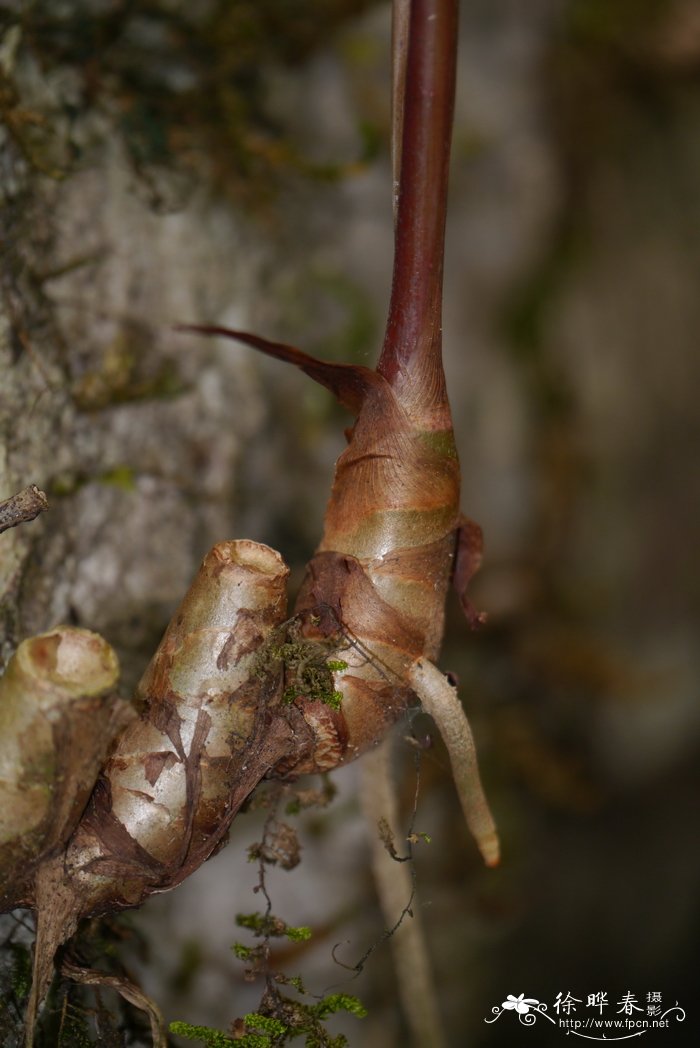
309	667
205	1034
271	927
291	1019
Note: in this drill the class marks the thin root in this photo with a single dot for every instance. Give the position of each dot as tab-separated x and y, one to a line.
128	990
441	701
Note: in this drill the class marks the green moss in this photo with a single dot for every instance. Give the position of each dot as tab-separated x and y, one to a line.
243	953
292	980
298	934
270	926
209	1037
308	668
282	1018
266	1024
339	1002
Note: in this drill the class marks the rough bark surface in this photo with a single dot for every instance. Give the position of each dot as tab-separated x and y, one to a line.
134	435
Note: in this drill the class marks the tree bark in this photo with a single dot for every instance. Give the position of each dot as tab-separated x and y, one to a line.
134	433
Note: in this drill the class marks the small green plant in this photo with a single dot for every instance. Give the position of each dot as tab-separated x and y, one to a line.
281	1017
258	1030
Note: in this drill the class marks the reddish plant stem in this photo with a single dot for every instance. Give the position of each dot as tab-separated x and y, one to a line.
400	20
412	343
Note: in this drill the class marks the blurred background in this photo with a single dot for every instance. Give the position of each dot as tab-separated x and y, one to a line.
230	164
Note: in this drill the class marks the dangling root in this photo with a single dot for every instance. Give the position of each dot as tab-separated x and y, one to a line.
394	888
441	701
